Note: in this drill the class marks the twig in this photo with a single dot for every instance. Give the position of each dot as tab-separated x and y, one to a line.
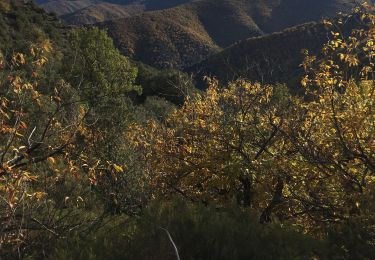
174	245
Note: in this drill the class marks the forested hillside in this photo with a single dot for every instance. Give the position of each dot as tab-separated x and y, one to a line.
186	34
93	11
269	59
102	12
63	7
22	26
104	157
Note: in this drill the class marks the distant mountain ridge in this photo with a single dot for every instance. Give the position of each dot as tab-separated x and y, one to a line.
181	36
274	58
100	12
189	33
64	7
94	11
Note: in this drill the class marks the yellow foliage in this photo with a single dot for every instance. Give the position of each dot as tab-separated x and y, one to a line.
308	159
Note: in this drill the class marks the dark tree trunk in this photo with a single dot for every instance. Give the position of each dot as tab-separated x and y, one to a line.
277	199
247	192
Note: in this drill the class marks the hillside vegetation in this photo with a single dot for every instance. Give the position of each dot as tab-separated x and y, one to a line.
181	36
268	59
63	7
93	11
100	12
22	26
102	157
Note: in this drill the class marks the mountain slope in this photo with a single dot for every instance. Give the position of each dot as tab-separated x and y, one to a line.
268	59
93	11
272	58
23	23
286	13
100	12
151	4
181	36
64	7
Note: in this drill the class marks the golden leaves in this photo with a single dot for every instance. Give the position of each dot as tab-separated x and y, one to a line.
118	168
46	46
51	160
40	62
327	23
351	60
318	145
25	110
5	6
38	195
305	81
18	59
198	146
344	55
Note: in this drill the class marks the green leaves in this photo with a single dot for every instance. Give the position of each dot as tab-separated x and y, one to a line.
96	68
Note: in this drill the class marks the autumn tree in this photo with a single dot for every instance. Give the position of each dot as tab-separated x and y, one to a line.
306	159
37	126
332	129
52	180
221	146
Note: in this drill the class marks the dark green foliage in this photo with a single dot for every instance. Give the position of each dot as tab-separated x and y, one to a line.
199	232
64	210
102	77
202	232
172	85
354	239
158	107
207	233
96	68
23	24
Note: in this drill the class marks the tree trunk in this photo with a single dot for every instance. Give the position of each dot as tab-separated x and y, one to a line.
247	193
277	199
